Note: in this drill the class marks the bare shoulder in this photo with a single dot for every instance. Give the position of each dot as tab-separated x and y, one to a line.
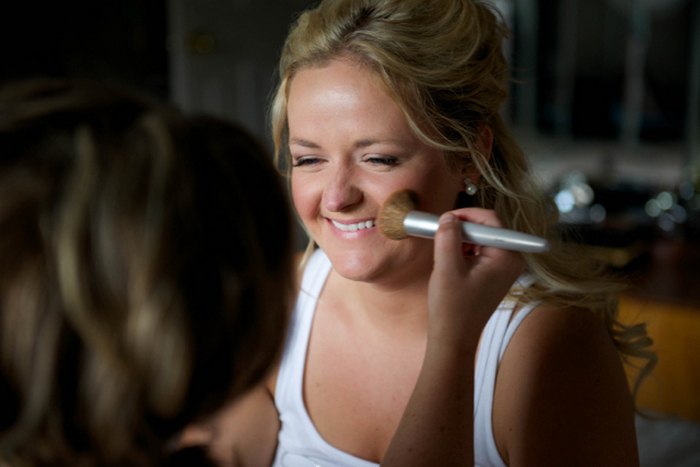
561	394
242	433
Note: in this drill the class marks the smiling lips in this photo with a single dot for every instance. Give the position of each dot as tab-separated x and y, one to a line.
354	227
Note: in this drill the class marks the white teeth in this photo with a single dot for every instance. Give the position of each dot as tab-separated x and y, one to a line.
354	227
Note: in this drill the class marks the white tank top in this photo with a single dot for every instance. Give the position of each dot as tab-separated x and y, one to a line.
300	445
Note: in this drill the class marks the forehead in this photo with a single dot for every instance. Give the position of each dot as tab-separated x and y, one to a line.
342	91
340	78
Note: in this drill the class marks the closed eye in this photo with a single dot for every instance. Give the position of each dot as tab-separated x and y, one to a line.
308	160
383	160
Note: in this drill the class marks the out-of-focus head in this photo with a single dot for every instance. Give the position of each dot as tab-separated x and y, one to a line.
145	271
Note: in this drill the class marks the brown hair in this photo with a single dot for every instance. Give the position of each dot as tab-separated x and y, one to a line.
145	272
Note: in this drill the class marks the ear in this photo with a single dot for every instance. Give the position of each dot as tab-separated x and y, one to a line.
484	145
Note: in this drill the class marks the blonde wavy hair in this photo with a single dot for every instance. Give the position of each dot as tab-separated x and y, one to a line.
145	272
442	62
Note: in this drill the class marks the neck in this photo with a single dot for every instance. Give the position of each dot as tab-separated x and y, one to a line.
399	306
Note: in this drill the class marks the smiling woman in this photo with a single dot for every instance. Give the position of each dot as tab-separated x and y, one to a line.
351	147
407	352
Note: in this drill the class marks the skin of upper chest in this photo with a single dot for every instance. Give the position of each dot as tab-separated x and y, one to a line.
357	382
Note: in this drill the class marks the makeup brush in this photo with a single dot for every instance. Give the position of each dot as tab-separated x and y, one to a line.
398	218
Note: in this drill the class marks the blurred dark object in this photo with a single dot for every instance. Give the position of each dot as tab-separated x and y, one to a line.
689	200
648	233
122	42
600	61
669	273
194	456
608	217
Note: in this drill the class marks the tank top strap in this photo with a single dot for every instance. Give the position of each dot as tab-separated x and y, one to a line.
315	274
515	322
299	328
495	339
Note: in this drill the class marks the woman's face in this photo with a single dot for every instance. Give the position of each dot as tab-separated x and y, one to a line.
351	148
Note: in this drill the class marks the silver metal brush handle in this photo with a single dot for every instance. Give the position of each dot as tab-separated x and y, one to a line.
423	224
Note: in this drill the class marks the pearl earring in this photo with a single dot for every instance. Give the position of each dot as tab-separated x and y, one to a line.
470	188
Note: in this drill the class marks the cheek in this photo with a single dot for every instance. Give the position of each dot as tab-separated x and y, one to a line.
303	198
438	193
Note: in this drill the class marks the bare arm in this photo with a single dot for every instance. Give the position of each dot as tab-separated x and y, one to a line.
242	433
437	425
561	394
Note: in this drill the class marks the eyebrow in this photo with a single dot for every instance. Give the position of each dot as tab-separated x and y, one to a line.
304	143
363	143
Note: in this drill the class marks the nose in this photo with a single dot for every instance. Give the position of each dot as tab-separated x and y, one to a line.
341	190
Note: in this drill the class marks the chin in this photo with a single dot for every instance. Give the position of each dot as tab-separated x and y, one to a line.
356	268
363	266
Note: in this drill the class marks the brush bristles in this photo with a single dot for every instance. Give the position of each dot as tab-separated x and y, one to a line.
393	212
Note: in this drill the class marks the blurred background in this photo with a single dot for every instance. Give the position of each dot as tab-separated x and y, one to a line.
605	102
